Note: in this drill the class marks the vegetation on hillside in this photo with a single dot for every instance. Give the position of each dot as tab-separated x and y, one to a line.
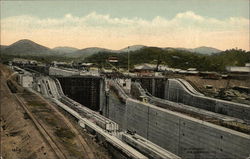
44	59
176	58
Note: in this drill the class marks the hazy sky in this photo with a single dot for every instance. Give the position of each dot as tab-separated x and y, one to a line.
115	24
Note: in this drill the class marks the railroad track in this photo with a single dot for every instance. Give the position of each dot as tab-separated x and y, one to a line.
89	153
42	130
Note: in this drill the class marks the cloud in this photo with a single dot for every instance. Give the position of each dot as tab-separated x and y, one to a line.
186	29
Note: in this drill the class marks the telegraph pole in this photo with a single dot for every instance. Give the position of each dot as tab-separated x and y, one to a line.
128	59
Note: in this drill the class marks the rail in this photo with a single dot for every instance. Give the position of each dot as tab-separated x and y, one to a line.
42	130
100	124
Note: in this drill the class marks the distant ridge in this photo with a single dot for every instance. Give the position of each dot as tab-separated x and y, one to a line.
88	51
203	50
94	50
3	47
25	47
65	49
132	48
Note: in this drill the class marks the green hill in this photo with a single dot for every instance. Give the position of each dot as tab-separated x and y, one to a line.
176	58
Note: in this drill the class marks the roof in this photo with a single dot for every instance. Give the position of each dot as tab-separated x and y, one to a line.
238	69
247	64
86	64
192	69
145	67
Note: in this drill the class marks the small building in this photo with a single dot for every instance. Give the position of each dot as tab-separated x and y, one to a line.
19	61
238	69
33	62
247	64
239	72
87	64
113	59
22	61
125	83
145	69
82	66
182	72
163	68
193	72
192	69
25	80
61	64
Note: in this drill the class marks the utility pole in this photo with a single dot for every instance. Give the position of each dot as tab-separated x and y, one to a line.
158	63
128	59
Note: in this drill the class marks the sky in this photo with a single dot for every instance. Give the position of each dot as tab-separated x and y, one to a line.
116	24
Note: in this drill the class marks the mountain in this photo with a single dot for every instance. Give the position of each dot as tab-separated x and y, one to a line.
202	50
65	49
94	50
87	52
26	47
132	48
176	58
3	47
205	50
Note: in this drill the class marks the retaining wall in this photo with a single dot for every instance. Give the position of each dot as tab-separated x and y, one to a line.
179	92
182	135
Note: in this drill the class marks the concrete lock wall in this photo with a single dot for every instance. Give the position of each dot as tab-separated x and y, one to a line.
85	90
182	135
116	111
62	72
178	92
155	86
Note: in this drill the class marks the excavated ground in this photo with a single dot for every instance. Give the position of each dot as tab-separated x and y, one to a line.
229	93
218	85
20	138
